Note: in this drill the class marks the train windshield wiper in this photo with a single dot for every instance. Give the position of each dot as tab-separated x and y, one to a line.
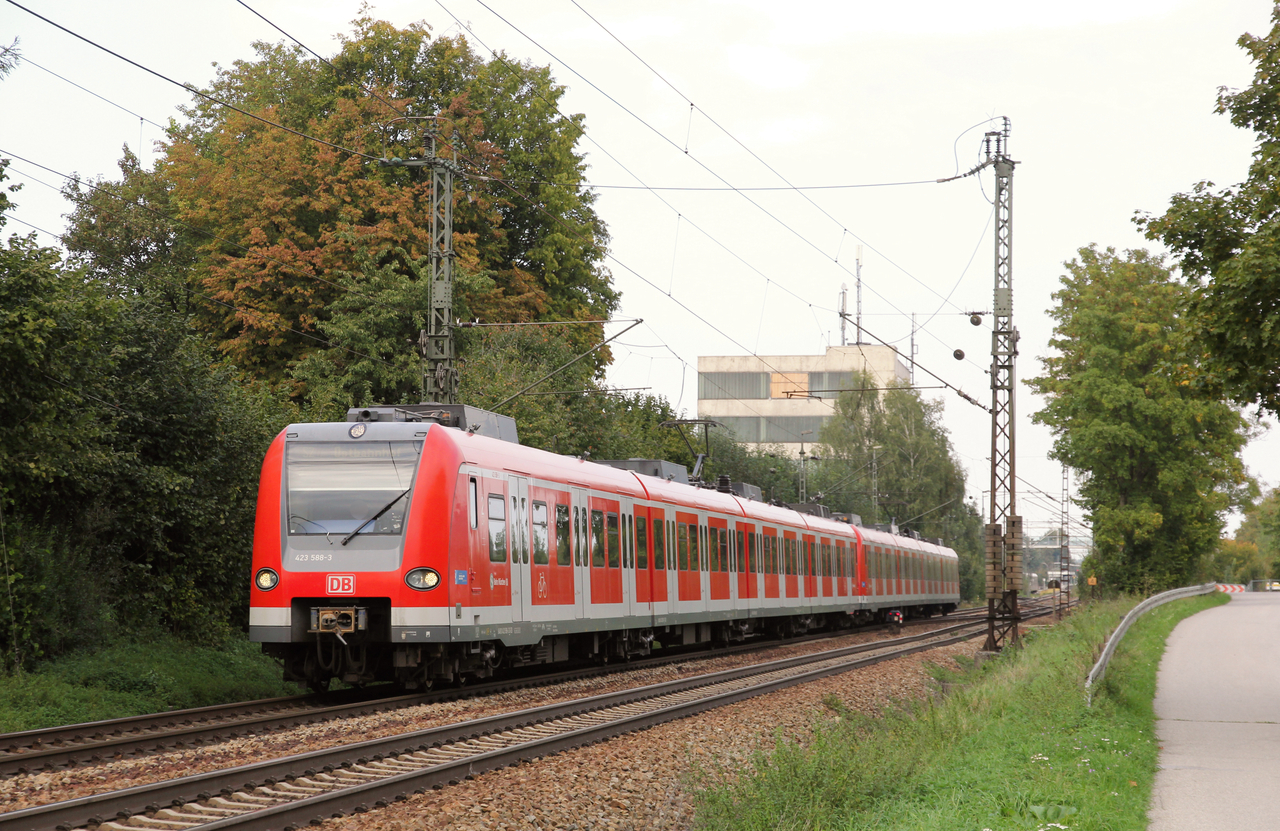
380	512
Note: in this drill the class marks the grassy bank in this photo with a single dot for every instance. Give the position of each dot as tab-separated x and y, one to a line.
133	678
1015	747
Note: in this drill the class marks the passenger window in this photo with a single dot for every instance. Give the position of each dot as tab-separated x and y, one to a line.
682	546
562	535
613	540
694	554
521	517
642	543
714	533
497	529
541	536
597	539
659	545
473	504
724	551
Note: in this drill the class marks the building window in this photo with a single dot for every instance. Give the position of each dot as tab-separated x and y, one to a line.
789	385
733	385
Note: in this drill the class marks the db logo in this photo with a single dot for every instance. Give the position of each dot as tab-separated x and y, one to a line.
340	584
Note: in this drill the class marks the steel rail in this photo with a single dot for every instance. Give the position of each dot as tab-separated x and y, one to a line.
157	732
94	810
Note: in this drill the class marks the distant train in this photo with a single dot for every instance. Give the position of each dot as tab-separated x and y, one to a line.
394	547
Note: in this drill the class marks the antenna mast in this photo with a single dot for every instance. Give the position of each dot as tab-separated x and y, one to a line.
1004	531
858	274
844	297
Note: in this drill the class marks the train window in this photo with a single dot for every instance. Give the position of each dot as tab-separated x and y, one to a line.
724	551
631	540
642	543
345	488
682	547
473	504
739	561
541	536
659	545
562	535
577	537
521	517
702	560
694	554
597	539
714	534
612	526
497	529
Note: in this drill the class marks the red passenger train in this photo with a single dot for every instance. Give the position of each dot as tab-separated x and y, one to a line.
393	547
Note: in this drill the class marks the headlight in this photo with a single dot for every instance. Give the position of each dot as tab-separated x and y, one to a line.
422	579
266	579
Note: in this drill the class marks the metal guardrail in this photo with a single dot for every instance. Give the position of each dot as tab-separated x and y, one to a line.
1100	668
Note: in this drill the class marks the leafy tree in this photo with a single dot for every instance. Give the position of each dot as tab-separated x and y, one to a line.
309	262
1233	561
1228	244
1159	459
1261	528
894	444
128	474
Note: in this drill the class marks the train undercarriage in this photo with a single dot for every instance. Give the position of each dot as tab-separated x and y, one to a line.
363	654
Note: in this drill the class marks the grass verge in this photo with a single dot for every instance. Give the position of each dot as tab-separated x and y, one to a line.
129	679
1014	749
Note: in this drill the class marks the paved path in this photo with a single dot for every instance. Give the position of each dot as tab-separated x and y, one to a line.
1218	720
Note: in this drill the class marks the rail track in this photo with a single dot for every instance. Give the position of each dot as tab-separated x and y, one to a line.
95	742
286	794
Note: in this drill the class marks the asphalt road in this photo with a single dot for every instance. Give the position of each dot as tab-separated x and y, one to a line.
1218	720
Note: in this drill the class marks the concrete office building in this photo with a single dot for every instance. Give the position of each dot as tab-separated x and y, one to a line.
785	399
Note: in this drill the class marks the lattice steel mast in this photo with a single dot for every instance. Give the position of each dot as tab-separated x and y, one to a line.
435	343
1004	531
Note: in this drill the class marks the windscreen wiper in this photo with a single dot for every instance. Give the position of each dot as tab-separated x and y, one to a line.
381	511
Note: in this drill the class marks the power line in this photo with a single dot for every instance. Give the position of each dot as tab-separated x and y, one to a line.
194	90
713	173
731	136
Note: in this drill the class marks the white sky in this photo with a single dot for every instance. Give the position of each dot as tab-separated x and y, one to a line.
1111	106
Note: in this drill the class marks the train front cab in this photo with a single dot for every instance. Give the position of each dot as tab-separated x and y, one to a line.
348	547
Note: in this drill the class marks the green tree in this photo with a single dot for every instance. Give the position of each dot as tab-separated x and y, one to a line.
306	262
1228	245
128	474
1261	527
1159	459
887	456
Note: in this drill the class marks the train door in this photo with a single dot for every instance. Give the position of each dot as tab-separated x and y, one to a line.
791	563
490	577
841	560
748	564
627	555
689	578
660	563
606	554
718	567
521	574
581	554
643	597
768	544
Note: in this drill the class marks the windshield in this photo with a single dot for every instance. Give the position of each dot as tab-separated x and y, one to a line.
334	487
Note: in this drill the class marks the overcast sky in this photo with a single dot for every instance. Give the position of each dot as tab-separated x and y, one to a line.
1111	103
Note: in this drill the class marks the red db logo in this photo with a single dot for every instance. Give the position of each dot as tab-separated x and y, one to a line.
340	584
